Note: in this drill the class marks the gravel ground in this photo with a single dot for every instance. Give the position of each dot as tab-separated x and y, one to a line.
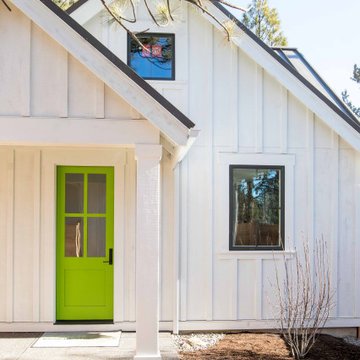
194	342
351	340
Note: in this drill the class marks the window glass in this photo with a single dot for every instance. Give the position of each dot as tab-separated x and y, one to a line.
96	198
96	237
156	60
74	238
74	193
255	207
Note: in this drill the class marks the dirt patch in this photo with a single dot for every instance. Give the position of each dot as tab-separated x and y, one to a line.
248	346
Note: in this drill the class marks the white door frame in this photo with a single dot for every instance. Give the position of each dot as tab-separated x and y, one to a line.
75	157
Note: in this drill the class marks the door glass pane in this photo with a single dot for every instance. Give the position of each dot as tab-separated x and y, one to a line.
74	193
256	206
96	194
74	239
96	237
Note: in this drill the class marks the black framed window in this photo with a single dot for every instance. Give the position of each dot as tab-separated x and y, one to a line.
257	207
156	60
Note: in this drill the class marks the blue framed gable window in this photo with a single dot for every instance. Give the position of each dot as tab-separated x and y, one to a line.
257	216
156	61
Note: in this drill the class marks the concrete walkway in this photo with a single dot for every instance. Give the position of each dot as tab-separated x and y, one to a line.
18	346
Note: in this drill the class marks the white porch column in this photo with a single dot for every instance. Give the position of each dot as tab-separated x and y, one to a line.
147	251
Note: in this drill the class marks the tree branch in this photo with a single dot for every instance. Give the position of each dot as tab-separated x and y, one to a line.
168	6
6	5
122	25
168	13
117	17
212	16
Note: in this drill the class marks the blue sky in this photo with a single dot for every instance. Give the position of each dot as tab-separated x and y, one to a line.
327	33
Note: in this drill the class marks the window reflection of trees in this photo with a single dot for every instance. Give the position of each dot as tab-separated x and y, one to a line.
257	207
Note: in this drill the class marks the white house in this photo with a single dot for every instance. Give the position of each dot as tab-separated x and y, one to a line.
194	184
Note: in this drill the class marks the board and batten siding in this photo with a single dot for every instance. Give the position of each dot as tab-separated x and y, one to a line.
52	84
242	110
27	231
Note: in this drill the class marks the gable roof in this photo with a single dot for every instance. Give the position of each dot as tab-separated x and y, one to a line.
344	124
317	96
109	68
302	66
345	115
116	61
348	127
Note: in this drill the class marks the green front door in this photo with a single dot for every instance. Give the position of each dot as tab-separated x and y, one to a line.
85	243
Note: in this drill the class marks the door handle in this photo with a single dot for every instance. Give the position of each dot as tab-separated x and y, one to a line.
110	262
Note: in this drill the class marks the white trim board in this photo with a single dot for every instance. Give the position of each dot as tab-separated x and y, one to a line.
70	157
76	131
196	325
223	161
254	324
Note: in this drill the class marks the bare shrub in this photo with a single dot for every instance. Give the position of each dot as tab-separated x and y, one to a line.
303	296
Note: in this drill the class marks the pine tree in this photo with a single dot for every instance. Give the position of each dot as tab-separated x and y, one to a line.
345	96
265	23
64	4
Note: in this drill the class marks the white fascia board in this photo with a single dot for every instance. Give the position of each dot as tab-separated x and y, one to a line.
290	82
72	131
104	70
88	10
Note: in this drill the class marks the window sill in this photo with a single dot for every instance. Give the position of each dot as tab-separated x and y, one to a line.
253	254
166	82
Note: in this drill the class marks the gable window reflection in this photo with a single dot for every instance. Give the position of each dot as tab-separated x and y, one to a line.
156	60
256	207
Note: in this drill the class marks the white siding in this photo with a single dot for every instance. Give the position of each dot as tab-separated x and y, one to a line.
53	84
242	109
6	233
31	269
26	235
50	82
15	63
